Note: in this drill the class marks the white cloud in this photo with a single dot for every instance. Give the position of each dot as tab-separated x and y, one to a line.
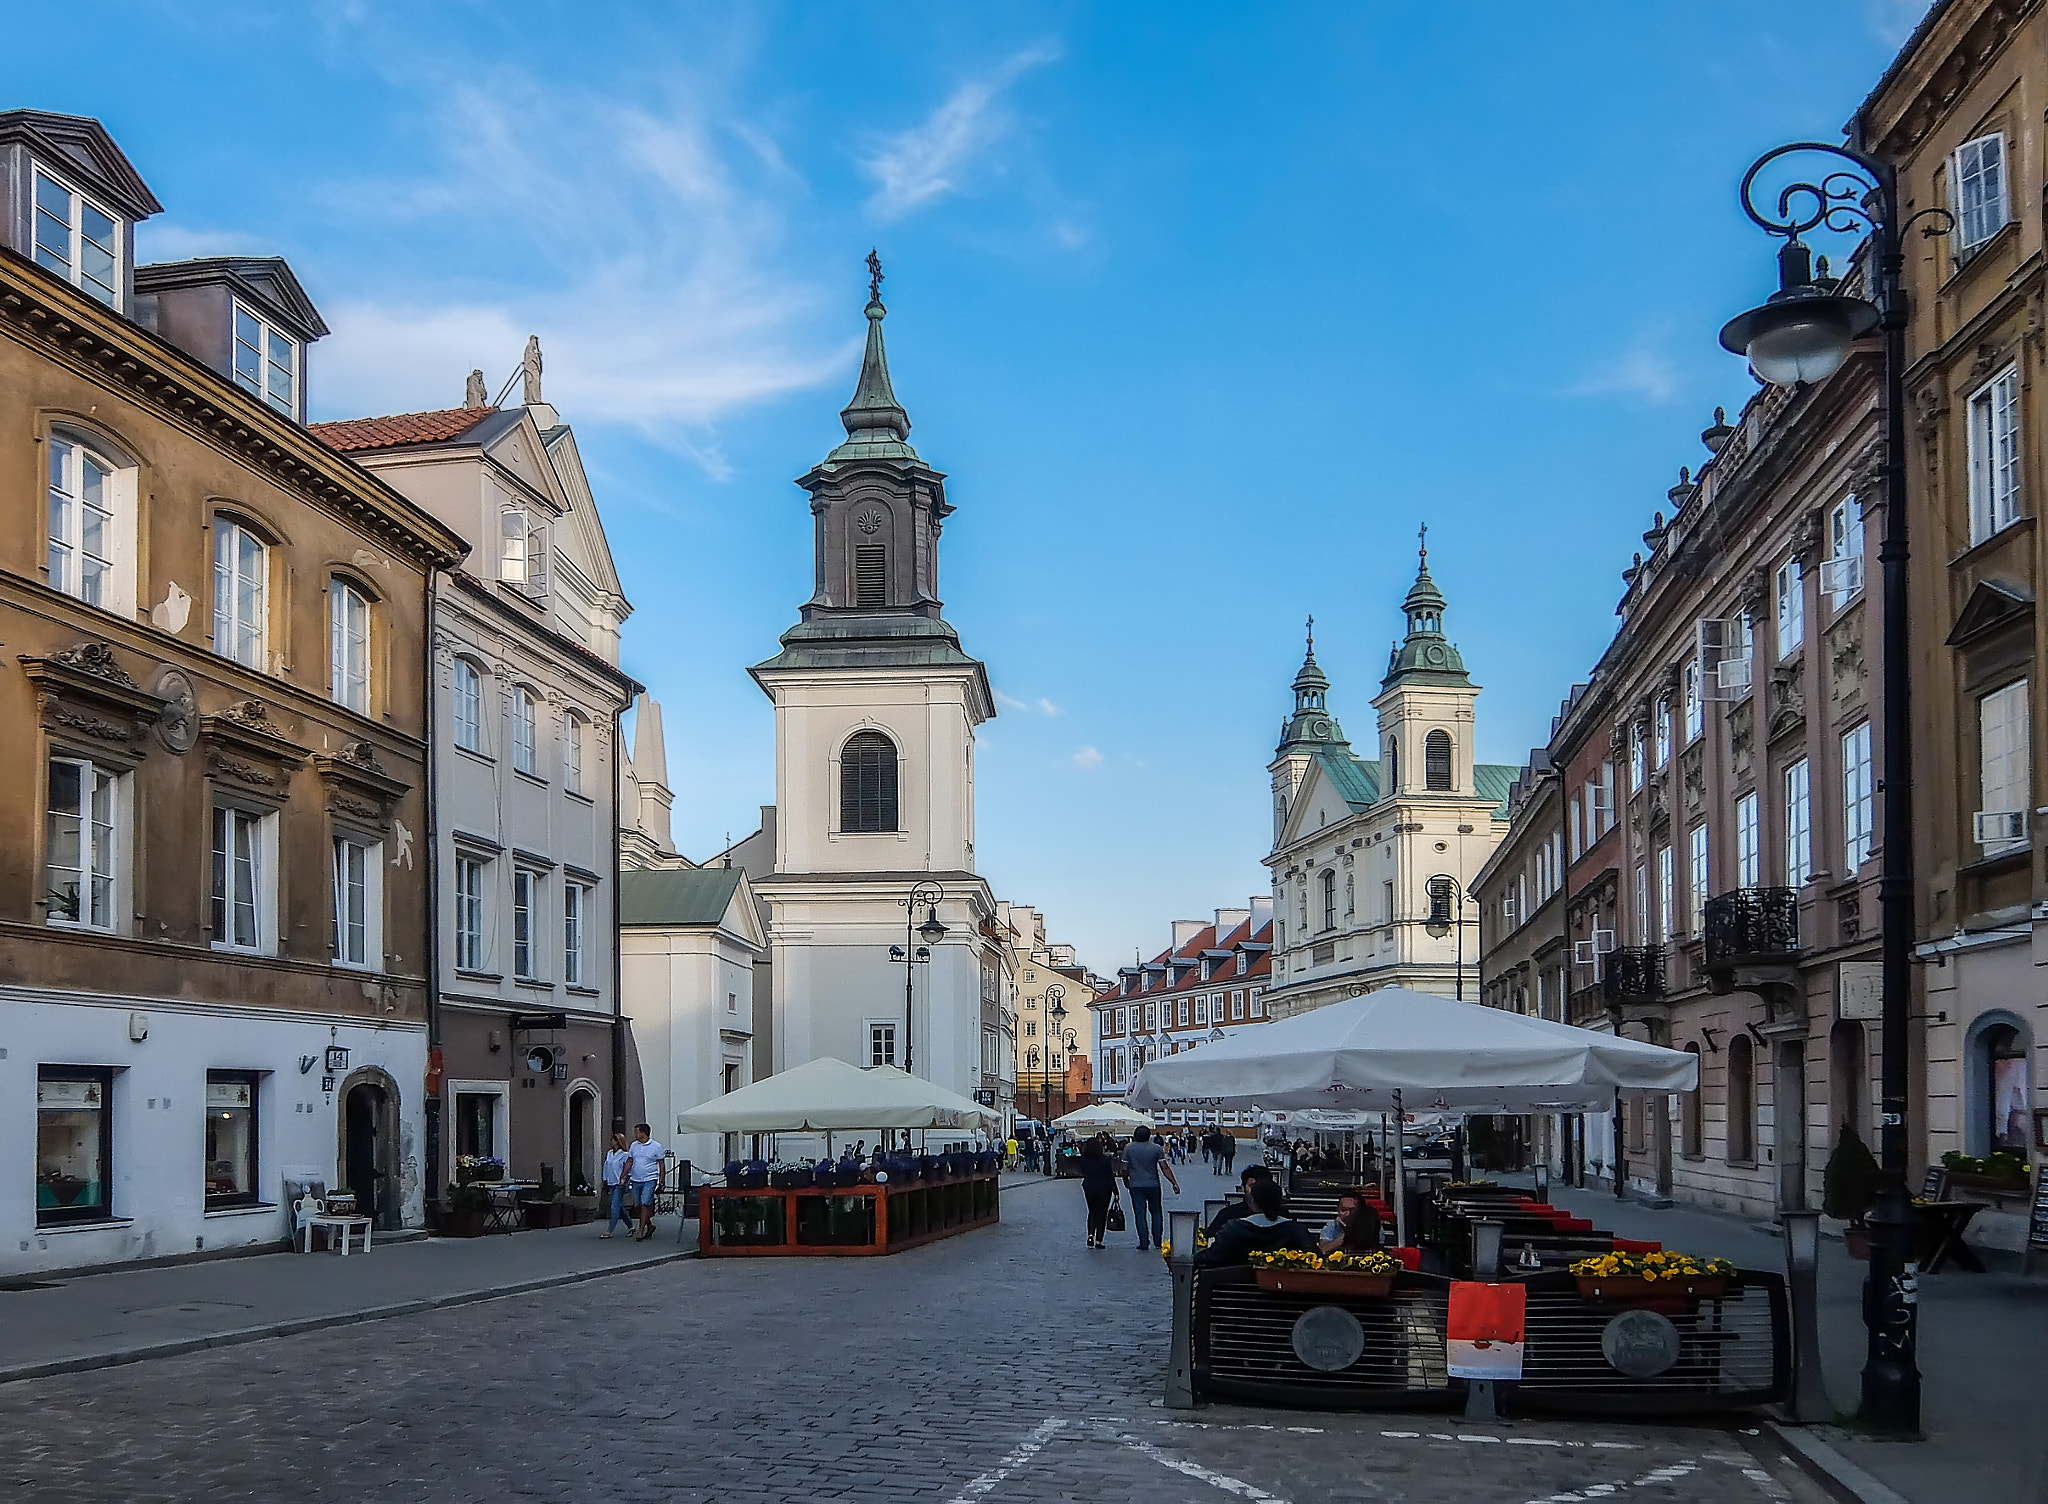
1040	706
1645	374
1046	707
642	245
1009	702
1087	758
931	160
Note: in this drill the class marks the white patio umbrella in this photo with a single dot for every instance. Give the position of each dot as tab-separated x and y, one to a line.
1395	1049
826	1095
1104	1115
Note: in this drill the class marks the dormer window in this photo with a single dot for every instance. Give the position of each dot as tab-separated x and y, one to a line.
78	240
266	361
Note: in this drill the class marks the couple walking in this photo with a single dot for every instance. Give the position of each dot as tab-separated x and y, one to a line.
1143	1162
632	1176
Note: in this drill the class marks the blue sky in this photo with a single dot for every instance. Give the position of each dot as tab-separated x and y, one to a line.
1202	308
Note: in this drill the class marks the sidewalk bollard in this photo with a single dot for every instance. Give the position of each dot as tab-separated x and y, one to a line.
1810	1403
1543	1185
1180	1373
1486	1249
1210	1209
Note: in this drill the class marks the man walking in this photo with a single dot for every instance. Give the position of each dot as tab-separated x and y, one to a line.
644	1156
1144	1163
1228	1141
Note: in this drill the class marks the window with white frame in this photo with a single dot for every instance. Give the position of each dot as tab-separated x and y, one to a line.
572	752
1642	904
575	909
1843	574
83	831
77	239
1603	799
466	705
91	523
881	1042
1578	828
244	888
522	559
1979	193
526	892
2005	762
1635	756
1791	597
470	876
1236	1006
1995	455
1749	871
1798	824
1696	881
1186	1011
1667	886
266	360
1858	797
1201	1010
525	732
1256	1002
358	903
1695	704
1660	723
241	570
348	611
1329	886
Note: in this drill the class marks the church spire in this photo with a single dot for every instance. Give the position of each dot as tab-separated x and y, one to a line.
874	417
1427	654
1311	722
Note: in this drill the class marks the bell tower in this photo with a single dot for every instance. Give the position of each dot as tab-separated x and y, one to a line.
1308	730
1426	701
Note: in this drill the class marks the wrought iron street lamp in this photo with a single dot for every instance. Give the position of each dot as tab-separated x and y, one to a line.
910	953
1443	918
1803	334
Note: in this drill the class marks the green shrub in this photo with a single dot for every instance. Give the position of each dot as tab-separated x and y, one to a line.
1849	1184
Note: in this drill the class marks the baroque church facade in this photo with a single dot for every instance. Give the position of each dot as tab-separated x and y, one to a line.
883	938
1372	856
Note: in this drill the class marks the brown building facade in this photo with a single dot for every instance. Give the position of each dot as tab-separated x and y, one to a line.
213	901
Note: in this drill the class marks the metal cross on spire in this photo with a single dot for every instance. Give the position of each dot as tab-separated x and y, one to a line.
1422	534
874	276
1311	637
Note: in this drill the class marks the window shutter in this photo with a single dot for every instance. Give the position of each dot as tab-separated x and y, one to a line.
867	784
870	574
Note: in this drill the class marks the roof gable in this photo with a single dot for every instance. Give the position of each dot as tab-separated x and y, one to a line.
266	281
81	145
690	898
1991	607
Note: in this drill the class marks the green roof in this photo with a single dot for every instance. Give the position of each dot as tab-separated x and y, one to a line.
677	896
1353	777
1492	780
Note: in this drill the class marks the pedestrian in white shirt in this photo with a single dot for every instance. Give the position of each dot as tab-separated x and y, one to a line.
644	1156
615	1162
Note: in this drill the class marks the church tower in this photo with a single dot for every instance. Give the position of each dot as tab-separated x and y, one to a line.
1310	729
1426	701
875	712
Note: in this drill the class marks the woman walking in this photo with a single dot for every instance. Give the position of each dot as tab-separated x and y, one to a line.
615	1182
1098	1184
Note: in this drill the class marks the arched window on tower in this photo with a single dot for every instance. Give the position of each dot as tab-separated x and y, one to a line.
1393	766
867	784
1436	762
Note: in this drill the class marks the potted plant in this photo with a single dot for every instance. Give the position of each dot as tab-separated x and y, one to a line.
468	1208
788	1174
2001	1173
1658	1280
1849	1189
1290	1270
542	1205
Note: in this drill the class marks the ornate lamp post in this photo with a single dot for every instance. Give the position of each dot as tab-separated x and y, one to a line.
910	953
1443	918
1804	333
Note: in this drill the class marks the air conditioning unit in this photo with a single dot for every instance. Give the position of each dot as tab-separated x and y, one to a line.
1844	576
1603	941
1995	827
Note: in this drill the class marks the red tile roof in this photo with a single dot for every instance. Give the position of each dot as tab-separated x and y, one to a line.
355	434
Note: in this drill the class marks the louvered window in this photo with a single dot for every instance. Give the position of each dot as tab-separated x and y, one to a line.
1436	762
867	784
870	575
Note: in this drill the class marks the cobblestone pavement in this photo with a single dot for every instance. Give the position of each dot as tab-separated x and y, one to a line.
1006	1365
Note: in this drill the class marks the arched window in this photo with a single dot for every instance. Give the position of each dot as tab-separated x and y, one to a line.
241	581
525	732
466	705
1329	900
1436	762
1692	1117
1741	1101
1393	766
91	522
348	616
867	784
2009	1108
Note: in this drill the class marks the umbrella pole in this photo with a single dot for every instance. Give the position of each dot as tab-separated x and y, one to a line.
1400	1178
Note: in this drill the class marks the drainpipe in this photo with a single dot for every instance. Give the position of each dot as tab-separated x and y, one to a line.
432	840
618	1015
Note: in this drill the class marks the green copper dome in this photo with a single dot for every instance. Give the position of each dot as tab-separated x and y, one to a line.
1311	726
1427	656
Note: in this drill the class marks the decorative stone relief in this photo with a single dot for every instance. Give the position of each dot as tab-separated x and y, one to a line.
1788	700
97	659
1806	536
1692	768
1742	739
178	726
868	520
1846	668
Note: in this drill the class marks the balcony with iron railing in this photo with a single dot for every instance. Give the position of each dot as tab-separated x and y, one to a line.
1633	974
1752	927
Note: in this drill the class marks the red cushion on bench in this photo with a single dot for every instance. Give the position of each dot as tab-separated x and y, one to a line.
1574	1224
1636	1245
1411	1258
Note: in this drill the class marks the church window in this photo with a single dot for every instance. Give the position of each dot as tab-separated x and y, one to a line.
1436	762
870	574
867	784
1393	765
1329	900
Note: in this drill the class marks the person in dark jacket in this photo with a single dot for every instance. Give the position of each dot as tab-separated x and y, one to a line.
1235	1209
1098	1184
1266	1227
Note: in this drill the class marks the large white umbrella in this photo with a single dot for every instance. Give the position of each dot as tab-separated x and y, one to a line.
1104	1115
828	1094
1439	1054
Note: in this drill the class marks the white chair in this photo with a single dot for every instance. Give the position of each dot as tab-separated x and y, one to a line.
312	1214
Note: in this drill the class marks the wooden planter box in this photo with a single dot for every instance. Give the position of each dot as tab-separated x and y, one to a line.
541	1215
463	1224
1323	1282
1965	1186
1633	1289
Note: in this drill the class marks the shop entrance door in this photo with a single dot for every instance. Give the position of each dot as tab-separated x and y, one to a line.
582	1126
362	1137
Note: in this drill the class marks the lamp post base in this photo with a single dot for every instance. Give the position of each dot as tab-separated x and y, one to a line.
1891	1314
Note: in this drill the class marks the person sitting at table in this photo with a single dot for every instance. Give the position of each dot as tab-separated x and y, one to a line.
1267	1226
1243	1208
1355	1228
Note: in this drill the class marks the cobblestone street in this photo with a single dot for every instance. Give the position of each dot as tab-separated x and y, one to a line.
1007	1365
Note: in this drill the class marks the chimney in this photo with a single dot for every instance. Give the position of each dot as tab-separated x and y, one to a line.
1227	920
1262	911
1185	930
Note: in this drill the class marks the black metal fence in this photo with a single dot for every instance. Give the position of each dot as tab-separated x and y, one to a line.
1752	926
1635	973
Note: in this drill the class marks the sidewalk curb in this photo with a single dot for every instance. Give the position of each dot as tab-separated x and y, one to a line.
292	1328
1842	1479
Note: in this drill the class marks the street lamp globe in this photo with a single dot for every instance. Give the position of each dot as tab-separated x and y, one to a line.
1805	331
932	930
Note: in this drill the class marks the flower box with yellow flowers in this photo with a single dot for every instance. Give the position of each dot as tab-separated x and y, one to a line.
1653	1278
1291	1271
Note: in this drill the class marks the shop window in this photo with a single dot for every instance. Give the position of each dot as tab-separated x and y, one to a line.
74	1144
476	1124
2008	1105
230	1138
